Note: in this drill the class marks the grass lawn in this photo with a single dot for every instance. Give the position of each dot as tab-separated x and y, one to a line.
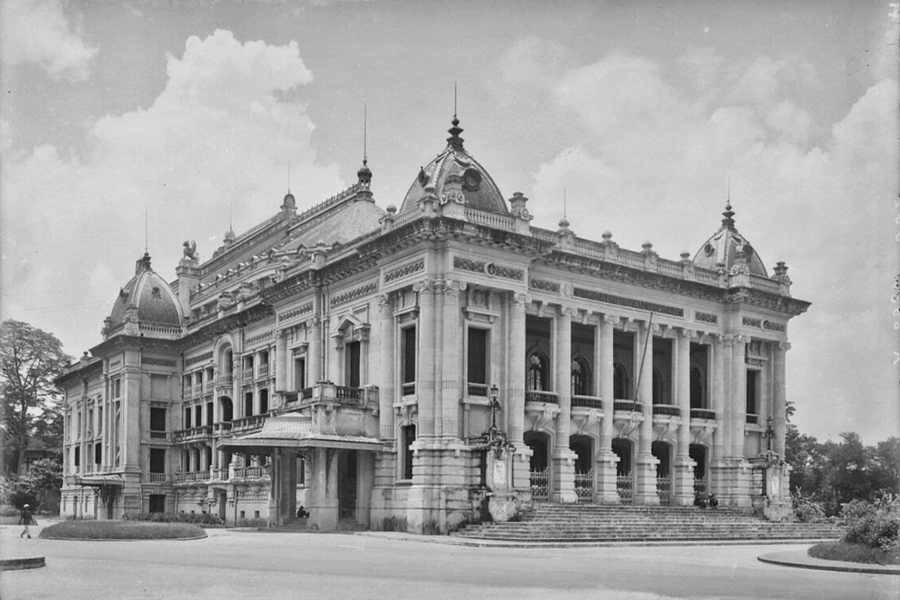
857	553
120	530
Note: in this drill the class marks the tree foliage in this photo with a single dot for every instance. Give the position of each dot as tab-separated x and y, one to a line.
30	361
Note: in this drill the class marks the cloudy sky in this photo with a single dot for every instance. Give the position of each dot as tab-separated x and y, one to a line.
190	111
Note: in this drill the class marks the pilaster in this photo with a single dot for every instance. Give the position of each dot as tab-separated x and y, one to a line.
605	464
563	457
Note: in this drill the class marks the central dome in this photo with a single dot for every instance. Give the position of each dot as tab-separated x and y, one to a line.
464	174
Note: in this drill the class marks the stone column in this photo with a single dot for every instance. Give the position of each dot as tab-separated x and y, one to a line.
515	387
281	363
738	397
451	352
645	462
779	351
683	492
606	458
388	369
717	392
425	372
515	368
563	457
314	333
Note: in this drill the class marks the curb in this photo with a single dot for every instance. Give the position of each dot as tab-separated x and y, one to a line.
182	539
18	564
480	543
808	562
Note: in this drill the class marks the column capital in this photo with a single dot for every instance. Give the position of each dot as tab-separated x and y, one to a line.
566	311
521	298
385	301
611	319
783	346
281	334
453	286
428	286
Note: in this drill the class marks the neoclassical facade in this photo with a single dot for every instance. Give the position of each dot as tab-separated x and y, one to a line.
352	361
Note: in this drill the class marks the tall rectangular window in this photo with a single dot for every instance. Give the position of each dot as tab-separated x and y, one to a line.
409	436
157	460
299	374
198	416
117	388
77	457
248	404
98	453
752	392
352	357
187	417
209	413
157	419
478	356
408	366
263	401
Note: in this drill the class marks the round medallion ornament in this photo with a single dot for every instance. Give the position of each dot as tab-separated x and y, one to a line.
471	180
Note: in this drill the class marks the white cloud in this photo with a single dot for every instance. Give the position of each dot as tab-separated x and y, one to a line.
216	137
40	32
653	161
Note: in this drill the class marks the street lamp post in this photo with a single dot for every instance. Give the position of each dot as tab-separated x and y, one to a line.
769	433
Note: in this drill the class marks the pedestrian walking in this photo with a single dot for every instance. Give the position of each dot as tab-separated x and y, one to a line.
27	520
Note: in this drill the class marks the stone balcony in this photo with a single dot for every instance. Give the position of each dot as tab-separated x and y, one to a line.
194	434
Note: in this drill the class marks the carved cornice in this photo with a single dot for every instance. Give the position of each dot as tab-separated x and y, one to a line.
629	302
222	326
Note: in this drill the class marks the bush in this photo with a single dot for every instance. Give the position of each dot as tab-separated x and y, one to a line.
809	511
252	523
873	524
208	519
119	530
858	553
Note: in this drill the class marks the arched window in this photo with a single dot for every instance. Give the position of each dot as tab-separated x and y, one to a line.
581	377
536	375
621	388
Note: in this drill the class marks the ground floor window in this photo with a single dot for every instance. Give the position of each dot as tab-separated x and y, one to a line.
409	436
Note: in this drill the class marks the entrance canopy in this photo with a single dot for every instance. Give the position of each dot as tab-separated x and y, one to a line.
296	431
100	480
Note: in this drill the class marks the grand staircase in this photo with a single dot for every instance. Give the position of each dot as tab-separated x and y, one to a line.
585	523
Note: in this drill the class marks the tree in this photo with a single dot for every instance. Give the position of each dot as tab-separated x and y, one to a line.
30	361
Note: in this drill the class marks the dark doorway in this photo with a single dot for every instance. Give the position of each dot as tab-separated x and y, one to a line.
698	454
157	503
352	375
540	465
227	409
624	449
583	446
347	484
663	453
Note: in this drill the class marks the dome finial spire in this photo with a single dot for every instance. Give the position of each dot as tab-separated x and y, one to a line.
454	141
364	175
728	221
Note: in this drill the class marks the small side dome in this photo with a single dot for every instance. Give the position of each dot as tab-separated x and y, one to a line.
726	246
289	201
146	298
454	166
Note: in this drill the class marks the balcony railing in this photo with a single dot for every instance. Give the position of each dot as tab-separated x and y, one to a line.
703	413
408	388
669	410
203	431
158	477
246	424
158	435
579	401
541	396
306	393
343	392
753	419
263	371
248	373
196	389
208	386
626	405
225	380
193	476
222	428
477	389
250	472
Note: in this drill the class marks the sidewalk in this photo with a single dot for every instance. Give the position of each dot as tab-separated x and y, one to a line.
21	553
802	560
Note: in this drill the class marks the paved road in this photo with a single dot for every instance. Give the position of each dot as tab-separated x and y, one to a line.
244	564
